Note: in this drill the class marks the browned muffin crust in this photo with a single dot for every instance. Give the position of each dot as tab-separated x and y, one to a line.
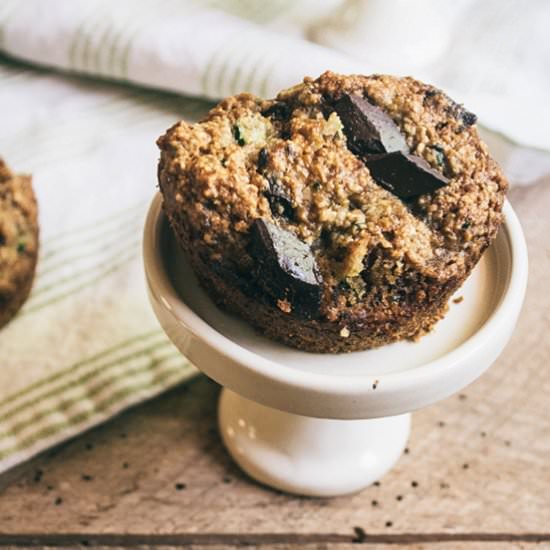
388	266
18	241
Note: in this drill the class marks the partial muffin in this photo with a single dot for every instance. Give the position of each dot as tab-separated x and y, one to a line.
18	241
341	215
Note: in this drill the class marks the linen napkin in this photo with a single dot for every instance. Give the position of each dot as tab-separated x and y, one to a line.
86	345
495	59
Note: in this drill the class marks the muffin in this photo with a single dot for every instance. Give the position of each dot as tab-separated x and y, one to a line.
341	215
18	241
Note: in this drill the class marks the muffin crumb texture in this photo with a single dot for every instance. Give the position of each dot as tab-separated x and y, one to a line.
18	241
339	216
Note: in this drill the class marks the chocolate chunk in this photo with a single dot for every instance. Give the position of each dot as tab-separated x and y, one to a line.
405	175
458	112
278	111
468	118
367	127
286	268
430	92
279	199
237	134
263	157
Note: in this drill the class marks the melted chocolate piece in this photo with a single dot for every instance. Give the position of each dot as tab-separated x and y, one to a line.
279	199
405	175
367	127
286	268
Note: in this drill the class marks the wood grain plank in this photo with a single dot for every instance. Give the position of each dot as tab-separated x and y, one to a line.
266	539
477	462
320	546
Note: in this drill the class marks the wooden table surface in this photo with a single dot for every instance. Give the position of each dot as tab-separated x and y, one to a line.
476	473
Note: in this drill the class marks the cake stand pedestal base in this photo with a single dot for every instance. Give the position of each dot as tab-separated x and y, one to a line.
309	456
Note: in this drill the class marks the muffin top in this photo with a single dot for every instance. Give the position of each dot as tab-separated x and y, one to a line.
359	215
18	235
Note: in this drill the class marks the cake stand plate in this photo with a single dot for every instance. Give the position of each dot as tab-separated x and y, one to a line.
326	425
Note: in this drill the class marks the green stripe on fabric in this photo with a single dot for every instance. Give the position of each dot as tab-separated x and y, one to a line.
52	153
113	108
33	161
231	65
238	71
89	36
62	144
113	269
85	393
224	60
90	19
89	375
113	52
206	74
233	88
121	111
76	367
162	381
75	43
263	89
248	86
212	61
66	153
139	21
125	52
89	248
103	41
75	276
99	223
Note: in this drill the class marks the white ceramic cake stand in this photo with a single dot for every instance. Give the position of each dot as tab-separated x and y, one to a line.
326	425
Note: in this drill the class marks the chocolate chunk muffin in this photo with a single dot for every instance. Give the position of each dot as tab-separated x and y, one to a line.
341	215
18	241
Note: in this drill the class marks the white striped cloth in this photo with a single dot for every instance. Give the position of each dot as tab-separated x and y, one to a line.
496	57
86	345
